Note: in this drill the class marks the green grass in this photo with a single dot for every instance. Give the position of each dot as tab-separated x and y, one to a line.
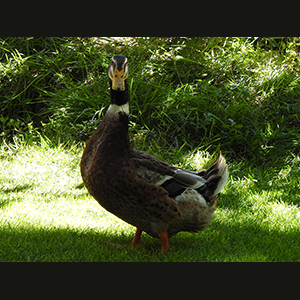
46	214
190	98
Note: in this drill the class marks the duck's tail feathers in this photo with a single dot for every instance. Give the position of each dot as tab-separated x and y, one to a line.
216	177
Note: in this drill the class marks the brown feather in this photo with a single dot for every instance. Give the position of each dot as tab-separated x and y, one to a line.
108	168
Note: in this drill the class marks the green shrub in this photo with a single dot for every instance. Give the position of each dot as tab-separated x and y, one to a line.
240	95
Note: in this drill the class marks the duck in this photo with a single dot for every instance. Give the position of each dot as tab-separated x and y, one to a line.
139	188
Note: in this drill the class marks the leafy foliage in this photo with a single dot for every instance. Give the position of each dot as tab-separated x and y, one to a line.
240	95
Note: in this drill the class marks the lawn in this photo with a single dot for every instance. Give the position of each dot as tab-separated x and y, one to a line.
47	215
190	98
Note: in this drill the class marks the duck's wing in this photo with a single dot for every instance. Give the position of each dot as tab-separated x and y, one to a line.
175	181
162	173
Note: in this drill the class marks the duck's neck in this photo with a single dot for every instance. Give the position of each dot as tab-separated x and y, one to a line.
119	101
116	129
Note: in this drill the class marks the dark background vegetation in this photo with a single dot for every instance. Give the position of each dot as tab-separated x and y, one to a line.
239	95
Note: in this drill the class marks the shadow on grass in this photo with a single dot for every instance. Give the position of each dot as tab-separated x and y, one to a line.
249	241
239	242
220	242
13	197
56	245
17	188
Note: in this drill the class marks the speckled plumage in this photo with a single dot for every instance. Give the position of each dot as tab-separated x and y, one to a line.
140	189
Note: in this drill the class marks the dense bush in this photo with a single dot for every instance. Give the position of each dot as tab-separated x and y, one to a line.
240	95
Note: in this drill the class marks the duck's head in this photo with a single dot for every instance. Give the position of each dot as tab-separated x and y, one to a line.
118	72
119	95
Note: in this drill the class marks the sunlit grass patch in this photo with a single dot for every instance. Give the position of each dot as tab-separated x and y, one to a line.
45	214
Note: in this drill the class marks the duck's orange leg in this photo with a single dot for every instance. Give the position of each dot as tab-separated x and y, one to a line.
137	237
165	241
